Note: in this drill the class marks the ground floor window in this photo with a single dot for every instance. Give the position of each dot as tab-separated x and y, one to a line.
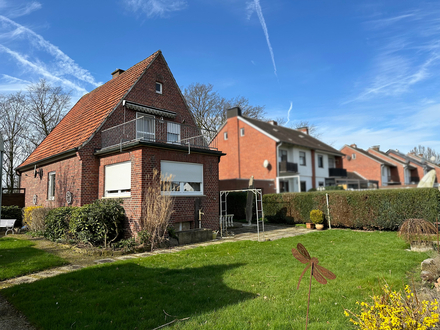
303	186
186	178
117	180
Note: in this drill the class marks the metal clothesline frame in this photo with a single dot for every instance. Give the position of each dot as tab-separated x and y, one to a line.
258	198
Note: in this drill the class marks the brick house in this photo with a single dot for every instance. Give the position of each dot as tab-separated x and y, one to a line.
108	144
379	166
280	159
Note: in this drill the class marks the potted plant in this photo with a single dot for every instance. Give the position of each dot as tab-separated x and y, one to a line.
317	217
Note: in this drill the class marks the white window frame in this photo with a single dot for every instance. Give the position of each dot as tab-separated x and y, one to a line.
51	177
225	135
353	156
160	89
302	158
242	131
174	129
122	171
182	174
140	134
322	161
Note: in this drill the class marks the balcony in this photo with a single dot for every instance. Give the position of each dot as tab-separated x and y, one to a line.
339	172
158	131
414	179
286	167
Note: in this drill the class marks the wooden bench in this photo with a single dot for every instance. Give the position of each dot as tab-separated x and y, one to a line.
8	224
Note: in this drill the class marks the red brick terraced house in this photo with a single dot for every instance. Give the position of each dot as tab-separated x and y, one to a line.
109	143
379	166
279	158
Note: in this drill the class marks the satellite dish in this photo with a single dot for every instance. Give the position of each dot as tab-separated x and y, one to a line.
348	157
432	158
266	163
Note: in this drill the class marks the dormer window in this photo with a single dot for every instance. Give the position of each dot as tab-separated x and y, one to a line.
158	87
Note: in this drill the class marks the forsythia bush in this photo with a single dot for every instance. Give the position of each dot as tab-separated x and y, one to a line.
394	311
27	214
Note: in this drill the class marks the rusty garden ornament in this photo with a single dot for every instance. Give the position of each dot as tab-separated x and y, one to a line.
317	271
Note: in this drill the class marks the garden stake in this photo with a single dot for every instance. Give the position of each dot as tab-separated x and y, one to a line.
317	271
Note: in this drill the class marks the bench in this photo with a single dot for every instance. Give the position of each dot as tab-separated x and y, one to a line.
8	224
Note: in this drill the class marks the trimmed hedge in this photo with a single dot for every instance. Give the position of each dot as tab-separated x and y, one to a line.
371	209
12	212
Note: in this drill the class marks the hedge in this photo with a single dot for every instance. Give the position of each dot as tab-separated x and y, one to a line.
370	209
57	223
12	212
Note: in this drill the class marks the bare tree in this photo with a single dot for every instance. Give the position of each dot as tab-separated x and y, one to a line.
209	108
46	105
428	153
14	127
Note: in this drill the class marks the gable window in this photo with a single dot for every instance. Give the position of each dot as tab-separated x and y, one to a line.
145	127
173	132
186	178
158	87
321	161
117	180
242	131
302	158
51	186
225	135
353	156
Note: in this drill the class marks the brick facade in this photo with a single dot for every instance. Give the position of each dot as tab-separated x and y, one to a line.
361	164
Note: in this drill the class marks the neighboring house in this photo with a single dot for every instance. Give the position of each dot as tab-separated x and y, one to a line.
280	159
423	165
376	165
109	143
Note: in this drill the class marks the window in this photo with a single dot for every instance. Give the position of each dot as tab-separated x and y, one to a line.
331	162
284	186
173	132
51	186
321	161
353	156
321	184
303	186
145	127
302	158
158	87
225	135
117	180
283	155
242	131
187	178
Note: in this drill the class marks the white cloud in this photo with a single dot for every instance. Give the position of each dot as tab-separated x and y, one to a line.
255	6
24	9
10	84
288	113
152	8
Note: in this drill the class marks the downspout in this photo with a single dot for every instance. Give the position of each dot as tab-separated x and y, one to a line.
238	149
278	166
313	170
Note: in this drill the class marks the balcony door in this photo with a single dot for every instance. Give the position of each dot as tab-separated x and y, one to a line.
145	127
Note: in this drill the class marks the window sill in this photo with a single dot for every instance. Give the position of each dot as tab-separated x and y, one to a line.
184	195
113	197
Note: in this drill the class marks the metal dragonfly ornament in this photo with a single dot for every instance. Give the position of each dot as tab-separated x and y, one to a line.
317	271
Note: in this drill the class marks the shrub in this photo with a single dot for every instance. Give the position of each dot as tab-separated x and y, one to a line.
13	212
57	223
38	219
98	223
126	244
317	216
27	214
143	236
158	208
371	209
417	230
395	310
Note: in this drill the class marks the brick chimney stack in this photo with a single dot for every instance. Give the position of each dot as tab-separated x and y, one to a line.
117	72
353	145
304	130
233	112
375	147
273	122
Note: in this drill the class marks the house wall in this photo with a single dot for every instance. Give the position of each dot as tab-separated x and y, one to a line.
245	154
68	174
419	169
397	174
365	166
305	172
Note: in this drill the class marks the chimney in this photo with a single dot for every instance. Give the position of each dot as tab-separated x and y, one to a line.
304	130
273	122
421	155
375	147
233	112
353	145
116	73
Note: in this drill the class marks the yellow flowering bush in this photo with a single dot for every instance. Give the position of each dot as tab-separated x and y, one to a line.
27	214
395	311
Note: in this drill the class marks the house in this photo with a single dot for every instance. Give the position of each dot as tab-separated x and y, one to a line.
375	165
109	143
280	159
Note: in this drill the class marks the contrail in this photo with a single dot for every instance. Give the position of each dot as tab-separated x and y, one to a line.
288	114
266	33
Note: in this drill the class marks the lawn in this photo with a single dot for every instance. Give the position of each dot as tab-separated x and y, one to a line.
240	285
18	257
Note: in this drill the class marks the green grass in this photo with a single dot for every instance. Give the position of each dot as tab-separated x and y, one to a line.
18	257
241	285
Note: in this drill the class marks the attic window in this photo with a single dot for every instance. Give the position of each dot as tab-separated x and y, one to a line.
158	87
353	156
242	131
225	135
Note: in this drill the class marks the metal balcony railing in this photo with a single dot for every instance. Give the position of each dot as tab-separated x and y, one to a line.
285	166
414	179
149	129
340	172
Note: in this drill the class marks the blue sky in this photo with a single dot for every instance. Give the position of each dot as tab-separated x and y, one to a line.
364	72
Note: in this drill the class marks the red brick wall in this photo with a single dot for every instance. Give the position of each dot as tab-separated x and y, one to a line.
419	170
245	154
397	174
363	165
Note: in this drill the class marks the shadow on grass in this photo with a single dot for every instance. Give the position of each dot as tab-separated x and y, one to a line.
124	296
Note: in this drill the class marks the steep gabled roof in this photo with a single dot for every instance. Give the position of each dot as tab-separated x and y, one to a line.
80	124
291	136
373	157
392	159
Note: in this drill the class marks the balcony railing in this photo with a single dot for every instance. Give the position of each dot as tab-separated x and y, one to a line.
341	172
414	179
285	166
148	129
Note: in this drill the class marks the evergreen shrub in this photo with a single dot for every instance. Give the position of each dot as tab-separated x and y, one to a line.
57	223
